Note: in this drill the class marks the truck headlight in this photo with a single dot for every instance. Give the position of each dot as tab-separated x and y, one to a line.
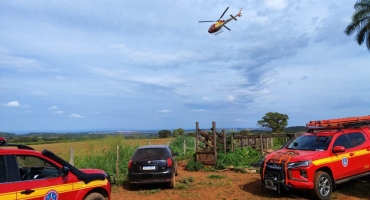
304	163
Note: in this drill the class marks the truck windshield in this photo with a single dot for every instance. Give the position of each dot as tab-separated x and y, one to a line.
310	142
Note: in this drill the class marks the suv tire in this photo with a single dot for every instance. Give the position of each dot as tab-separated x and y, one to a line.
323	186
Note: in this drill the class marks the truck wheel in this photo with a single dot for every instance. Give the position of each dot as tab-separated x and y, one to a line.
323	186
94	196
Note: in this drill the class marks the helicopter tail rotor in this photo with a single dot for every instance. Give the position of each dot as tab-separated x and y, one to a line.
237	15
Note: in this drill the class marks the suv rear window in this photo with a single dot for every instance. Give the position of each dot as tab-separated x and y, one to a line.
150	154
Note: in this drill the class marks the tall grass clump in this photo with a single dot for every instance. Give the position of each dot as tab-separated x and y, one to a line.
177	145
241	157
105	157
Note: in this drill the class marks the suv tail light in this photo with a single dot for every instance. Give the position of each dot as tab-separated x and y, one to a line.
169	162
129	164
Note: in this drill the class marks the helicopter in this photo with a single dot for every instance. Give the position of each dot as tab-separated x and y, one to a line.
221	23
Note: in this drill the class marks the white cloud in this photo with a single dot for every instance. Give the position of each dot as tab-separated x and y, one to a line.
199	110
230	98
58	112
53	108
165	111
276	4
13	104
60	77
76	116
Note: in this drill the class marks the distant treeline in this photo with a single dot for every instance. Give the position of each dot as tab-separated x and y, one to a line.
45	137
42	138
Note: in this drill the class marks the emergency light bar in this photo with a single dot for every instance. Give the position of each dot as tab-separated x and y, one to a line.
340	122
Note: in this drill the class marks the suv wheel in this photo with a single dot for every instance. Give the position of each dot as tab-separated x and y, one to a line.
95	196
323	186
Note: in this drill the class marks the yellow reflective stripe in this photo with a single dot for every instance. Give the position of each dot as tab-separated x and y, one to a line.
9	196
81	185
40	192
62	188
336	158
322	161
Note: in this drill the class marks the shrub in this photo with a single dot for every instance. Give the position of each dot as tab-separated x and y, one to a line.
193	165
177	145
241	157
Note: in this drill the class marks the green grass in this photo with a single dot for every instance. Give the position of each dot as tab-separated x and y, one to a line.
148	192
106	158
184	183
216	176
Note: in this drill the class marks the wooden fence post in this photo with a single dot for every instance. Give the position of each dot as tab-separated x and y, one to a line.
261	143
71	157
224	135
184	147
196	135
117	161
214	140
232	142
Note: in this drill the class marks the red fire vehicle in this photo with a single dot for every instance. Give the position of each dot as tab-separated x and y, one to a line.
333	151
29	174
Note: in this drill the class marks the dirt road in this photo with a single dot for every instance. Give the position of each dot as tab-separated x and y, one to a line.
226	185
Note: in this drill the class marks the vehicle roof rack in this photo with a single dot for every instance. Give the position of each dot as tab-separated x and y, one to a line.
340	123
19	146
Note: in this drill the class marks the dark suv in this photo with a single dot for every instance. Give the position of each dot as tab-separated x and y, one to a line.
152	164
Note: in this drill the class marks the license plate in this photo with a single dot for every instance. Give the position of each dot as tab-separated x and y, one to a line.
148	167
270	185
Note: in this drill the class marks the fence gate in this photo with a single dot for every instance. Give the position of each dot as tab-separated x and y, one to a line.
206	145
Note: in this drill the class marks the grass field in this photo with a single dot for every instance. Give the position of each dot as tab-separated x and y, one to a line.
101	154
81	148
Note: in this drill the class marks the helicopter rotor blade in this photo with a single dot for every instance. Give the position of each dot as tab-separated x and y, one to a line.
227	28
224	12
206	21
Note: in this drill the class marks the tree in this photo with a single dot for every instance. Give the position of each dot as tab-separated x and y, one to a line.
360	22
164	133
191	134
274	120
245	132
178	132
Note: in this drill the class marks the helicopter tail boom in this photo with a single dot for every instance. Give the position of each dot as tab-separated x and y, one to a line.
237	15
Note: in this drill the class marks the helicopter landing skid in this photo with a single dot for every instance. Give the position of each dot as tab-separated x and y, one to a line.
218	32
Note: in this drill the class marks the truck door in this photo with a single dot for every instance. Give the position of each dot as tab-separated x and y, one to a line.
360	148
7	190
344	163
39	179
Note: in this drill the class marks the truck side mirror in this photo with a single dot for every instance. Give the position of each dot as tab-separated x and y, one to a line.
339	149
65	171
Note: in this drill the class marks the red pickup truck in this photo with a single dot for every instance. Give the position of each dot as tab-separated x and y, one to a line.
333	151
29	174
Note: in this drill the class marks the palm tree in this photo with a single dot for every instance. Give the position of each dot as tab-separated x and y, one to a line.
360	22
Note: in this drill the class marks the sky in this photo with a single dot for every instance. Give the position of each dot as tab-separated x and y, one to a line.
144	65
